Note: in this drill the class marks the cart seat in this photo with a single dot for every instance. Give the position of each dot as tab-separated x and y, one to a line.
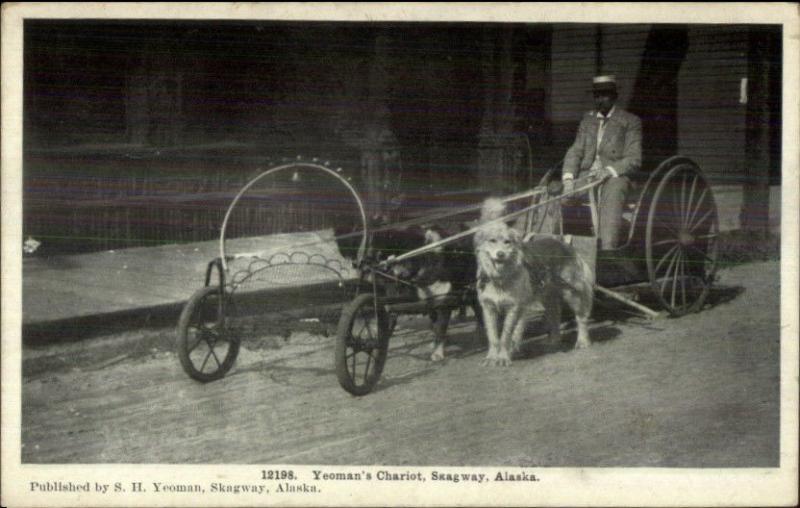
576	212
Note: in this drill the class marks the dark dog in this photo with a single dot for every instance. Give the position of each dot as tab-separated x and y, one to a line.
436	275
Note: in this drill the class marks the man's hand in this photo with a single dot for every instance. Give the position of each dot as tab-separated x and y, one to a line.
569	185
603	173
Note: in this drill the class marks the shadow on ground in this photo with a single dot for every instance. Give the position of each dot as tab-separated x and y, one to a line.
411	343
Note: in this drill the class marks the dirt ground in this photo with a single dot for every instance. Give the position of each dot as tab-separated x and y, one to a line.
697	391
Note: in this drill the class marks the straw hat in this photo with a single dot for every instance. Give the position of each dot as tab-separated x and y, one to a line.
605	83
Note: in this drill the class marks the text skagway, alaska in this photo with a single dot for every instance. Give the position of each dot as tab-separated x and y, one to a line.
437	476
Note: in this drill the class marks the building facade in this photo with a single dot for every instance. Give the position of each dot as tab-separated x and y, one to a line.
117	110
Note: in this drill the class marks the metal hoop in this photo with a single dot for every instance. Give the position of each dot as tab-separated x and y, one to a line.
284	167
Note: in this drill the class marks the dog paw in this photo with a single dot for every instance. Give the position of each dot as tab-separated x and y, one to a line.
582	344
437	356
490	360
502	360
491	356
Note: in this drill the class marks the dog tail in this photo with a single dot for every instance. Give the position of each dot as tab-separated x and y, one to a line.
492	209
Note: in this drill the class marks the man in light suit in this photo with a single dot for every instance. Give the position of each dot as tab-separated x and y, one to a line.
608	144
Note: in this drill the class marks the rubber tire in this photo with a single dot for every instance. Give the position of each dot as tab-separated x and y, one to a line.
343	334
188	313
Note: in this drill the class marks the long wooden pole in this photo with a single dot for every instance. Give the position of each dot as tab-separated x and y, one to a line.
627	301
473	230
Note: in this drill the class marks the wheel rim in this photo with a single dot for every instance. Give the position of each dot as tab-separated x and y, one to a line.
682	238
364	349
209	336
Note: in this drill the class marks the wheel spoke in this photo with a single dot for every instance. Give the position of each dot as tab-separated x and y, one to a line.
665	242
705	256
669	270
689	202
683	211
196	343
668	226
661	261
208	355
683	281
216	358
369	360
207	338
358	327
365	326
709	236
702	219
697	208
356	334
675	278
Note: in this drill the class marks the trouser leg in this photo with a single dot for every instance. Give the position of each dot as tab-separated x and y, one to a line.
612	197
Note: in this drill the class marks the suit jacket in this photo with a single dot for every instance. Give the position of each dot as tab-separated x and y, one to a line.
620	148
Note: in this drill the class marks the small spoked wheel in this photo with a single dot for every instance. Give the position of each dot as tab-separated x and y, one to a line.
362	341
207	343
682	240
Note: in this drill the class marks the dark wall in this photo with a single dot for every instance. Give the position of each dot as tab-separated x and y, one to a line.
655	91
115	110
100	82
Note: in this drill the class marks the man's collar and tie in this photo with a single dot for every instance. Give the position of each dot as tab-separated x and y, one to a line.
604	89
603	123
606	117
601	129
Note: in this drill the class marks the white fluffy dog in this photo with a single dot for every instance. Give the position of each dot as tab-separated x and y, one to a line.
517	279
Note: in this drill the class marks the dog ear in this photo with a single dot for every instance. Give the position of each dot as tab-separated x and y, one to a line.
432	236
479	237
515	236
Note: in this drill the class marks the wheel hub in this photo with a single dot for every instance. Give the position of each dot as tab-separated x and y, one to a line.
685	238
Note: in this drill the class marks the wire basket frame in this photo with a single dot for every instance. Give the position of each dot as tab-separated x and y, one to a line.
294	166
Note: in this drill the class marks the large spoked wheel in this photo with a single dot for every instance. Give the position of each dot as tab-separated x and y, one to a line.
362	341
681	241
207	343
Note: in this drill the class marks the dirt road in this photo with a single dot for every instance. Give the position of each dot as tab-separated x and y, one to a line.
697	391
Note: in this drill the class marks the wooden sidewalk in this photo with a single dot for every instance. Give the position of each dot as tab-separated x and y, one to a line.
142	280
110	284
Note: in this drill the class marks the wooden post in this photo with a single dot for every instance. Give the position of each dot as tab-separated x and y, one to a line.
754	216
498	119
380	148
